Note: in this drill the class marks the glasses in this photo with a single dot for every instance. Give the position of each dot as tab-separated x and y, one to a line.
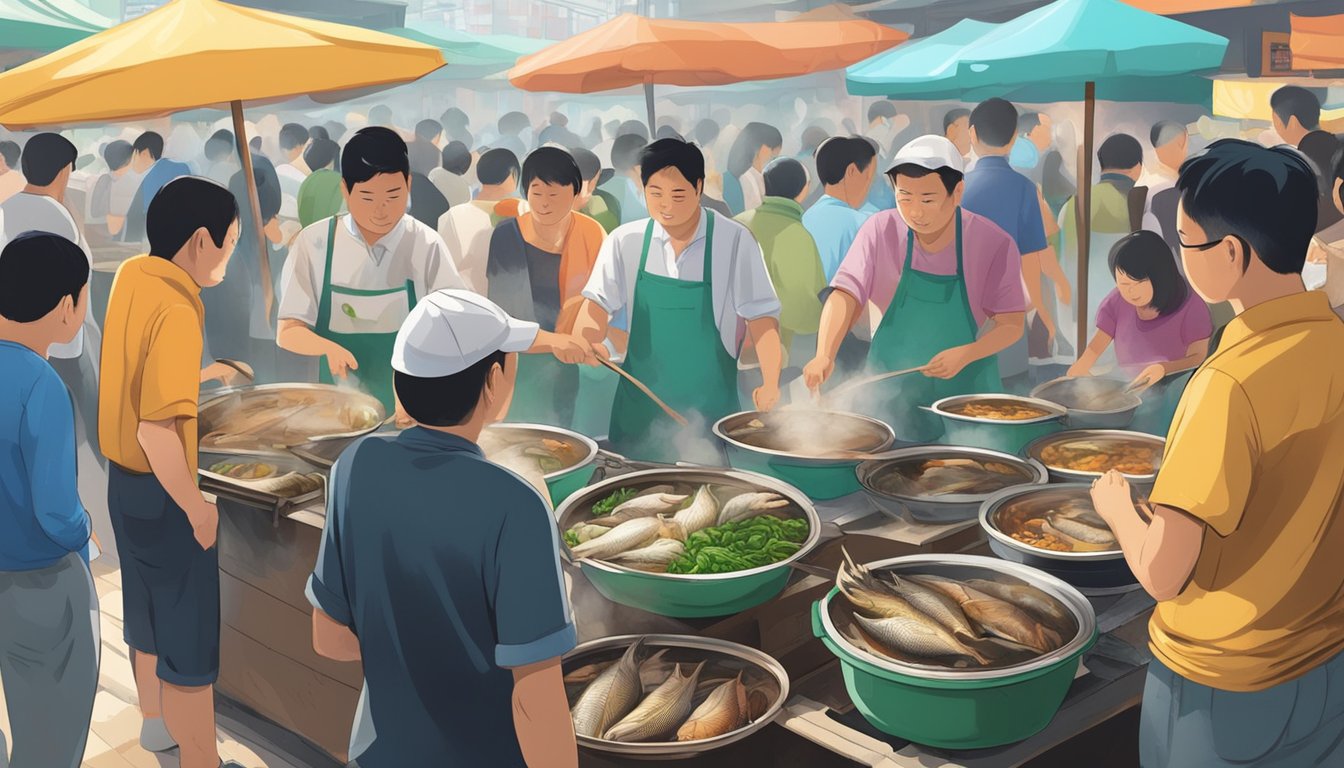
1246	247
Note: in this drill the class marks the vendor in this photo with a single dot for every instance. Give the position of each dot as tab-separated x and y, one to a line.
538	265
689	280
1158	324
439	570
351	280
941	274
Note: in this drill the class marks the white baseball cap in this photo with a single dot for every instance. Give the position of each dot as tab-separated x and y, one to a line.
449	331
931	152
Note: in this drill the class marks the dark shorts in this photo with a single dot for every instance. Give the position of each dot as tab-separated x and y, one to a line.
169	585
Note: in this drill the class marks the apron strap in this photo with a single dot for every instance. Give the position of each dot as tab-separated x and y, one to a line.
961	273
910	247
324	298
644	254
708	275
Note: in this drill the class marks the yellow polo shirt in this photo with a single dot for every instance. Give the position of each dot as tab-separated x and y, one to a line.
151	361
1257	452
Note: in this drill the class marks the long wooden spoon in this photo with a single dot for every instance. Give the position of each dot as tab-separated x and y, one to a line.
856	383
677	417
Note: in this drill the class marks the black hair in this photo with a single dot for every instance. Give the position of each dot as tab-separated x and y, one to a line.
748	144
512	123
11	152
117	154
881	109
292	136
950	178
321	153
706	132
371	152
1028	122
45	156
37	270
445	401
671	153
496	166
1164	132
268	193
1295	101
255	145
335	130
1267	197
455	158
634	127
589	166
1120	152
150	142
454	118
319	132
1144	255
219	145
785	177
813	136
1320	147
995	122
835	155
552	165
668	132
183	206
380	114
625	151
428	130
952	116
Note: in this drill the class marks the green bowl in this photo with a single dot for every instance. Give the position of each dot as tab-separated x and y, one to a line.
689	596
819	478
565	482
994	434
961	709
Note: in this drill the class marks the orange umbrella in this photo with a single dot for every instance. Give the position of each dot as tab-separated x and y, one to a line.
633	50
1317	42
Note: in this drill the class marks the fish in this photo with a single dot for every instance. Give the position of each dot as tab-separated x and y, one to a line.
648	506
586	531
1083	537
587	673
922	638
289	484
611	696
654	671
723	712
627	536
660	553
996	617
750	505
1026	597
661	712
936	605
703	512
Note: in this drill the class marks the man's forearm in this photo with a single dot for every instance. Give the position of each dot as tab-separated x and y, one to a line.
1031	276
1007	329
591	323
541	718
295	336
167	456
769	349
837	318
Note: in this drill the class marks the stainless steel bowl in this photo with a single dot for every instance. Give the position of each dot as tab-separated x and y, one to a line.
564	481
818	475
1009	436
215	408
938	509
1090	571
1092	402
1142	483
719	653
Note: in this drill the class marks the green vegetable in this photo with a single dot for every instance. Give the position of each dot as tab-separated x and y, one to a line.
605	506
349	311
571	539
741	546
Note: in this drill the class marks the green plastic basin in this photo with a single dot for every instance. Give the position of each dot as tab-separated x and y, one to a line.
1006	436
568	482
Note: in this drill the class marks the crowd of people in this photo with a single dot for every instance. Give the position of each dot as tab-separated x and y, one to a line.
418	263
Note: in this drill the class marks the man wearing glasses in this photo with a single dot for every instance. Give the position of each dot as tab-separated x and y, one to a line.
1241	538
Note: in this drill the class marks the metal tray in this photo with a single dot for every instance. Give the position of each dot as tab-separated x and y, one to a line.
214	402
241	492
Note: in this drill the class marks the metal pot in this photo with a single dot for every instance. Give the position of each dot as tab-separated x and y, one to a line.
721	655
938	509
1082	395
1143	483
690	595
816	475
1093	572
216	407
564	482
960	708
997	434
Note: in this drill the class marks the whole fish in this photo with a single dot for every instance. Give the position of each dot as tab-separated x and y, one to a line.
937	605
659	553
702	513
996	617
640	506
587	673
654	671
633	534
587	532
1083	537
611	696
661	712
1027	597
750	505
922	638
723	712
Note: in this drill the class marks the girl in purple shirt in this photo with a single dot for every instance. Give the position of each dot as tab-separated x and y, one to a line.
1158	324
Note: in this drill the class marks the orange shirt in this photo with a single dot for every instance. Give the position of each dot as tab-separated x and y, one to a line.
578	255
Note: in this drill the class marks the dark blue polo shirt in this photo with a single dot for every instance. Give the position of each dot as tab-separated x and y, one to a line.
447	569
1007	198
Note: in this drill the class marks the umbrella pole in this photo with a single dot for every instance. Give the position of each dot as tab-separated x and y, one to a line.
1083	209
254	202
648	104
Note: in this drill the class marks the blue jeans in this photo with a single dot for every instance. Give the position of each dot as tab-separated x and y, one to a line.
1295	724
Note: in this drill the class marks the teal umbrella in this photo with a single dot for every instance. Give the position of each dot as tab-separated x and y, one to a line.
1070	50
471	56
46	25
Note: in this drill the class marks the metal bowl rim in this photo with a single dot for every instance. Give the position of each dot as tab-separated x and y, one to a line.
1054	411
1066	593
867	468
219	394
794	495
884	427
994	503
1134	399
583	439
760	659
1034	448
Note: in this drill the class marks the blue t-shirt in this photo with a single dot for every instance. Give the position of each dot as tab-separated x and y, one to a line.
447	568
41	517
833	225
158	175
1007	198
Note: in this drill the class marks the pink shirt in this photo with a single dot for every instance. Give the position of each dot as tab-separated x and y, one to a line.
1139	343
871	270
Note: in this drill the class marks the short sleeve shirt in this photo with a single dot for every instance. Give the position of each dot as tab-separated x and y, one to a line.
1002	195
447	568
1139	343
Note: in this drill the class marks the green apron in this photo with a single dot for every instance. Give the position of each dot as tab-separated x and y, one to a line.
369	339
930	314
676	351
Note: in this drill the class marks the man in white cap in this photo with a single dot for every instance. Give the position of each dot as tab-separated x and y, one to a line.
441	570
938	273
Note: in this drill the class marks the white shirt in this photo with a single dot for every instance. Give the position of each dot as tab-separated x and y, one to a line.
742	288
753	189
411	251
466	231
291	179
454	188
27	212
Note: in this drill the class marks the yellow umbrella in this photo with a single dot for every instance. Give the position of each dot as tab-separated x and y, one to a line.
201	53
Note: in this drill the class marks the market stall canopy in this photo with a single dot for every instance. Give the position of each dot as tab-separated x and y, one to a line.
1248	98
45	25
1317	42
471	55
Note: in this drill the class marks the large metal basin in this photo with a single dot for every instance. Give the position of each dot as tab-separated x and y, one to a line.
564	482
996	434
944	509
811	471
1092	402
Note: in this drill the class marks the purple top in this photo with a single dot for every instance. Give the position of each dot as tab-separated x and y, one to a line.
1139	343
871	270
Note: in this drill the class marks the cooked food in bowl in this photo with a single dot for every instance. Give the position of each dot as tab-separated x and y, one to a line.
1130	456
816	434
999	410
947	476
268	419
527	452
246	470
1056	520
